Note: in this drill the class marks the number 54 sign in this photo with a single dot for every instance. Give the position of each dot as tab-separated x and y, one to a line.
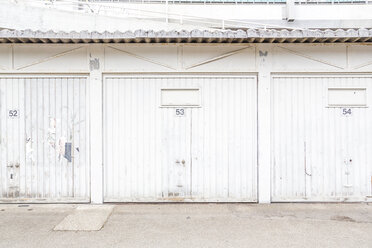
346	112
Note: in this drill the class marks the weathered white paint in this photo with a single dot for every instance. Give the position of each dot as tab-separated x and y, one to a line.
264	65
95	60
186	97
207	154
169	60
179	58
185	58
320	153
347	96
44	152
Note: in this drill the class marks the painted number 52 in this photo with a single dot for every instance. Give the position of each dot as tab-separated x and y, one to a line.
13	113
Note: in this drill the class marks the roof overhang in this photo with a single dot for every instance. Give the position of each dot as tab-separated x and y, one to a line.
194	36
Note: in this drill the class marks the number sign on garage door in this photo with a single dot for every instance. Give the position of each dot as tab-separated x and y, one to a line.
188	138
321	138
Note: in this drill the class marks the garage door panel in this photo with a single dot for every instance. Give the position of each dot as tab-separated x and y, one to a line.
320	152
43	146
176	145
225	140
206	154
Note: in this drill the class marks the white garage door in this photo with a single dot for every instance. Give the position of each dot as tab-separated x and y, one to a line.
180	138
321	138
43	139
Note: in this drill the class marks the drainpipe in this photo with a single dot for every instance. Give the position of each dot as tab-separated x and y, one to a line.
289	11
166	11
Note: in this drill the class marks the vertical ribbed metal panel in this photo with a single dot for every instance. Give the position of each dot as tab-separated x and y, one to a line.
43	149
210	154
319	153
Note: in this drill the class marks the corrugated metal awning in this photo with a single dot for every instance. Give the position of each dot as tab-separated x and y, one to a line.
194	36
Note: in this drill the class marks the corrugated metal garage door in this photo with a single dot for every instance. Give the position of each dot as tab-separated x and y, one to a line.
202	150
43	139
321	138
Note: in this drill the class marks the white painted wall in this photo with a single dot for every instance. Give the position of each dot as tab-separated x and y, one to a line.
130	16
263	60
45	19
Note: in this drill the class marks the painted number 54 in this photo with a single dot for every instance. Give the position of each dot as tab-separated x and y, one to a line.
346	111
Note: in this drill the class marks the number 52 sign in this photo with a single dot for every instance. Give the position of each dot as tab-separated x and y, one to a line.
13	113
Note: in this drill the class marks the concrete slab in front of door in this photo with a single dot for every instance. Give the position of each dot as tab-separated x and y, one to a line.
85	218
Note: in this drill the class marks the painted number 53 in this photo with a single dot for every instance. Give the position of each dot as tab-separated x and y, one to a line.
180	112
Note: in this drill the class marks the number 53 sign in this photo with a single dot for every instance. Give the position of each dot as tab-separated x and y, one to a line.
180	112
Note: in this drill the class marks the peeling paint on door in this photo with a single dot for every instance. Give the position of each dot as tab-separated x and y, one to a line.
37	158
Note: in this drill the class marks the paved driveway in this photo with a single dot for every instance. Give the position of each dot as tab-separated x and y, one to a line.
189	225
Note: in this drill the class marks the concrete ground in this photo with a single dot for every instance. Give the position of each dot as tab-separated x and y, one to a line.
191	225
